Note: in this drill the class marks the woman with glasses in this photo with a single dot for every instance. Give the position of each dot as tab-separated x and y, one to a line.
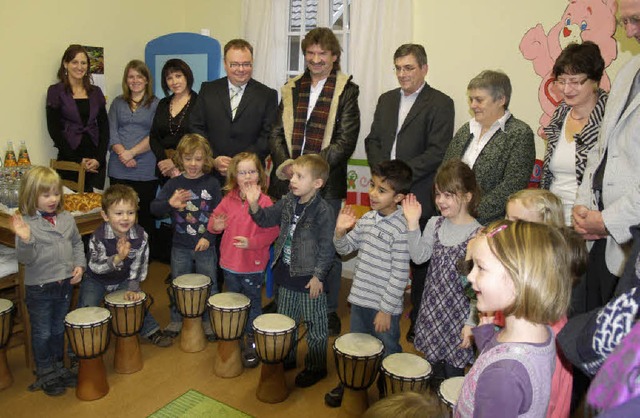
574	127
497	146
172	115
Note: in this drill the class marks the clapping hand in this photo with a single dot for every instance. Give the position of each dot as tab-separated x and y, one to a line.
346	220
123	246
179	199
412	210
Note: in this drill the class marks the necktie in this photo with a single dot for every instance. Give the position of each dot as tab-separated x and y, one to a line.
235	100
51	217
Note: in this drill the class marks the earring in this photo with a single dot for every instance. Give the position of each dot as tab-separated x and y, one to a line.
65	72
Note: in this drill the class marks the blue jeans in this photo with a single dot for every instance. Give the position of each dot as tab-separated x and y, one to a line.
334	276
362	321
48	304
182	262
250	285
92	294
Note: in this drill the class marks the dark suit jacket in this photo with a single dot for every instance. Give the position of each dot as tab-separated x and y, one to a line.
422	140
249	131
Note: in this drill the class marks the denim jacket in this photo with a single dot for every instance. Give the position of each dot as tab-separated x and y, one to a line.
312	250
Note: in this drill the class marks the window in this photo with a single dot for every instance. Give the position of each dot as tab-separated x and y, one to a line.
305	15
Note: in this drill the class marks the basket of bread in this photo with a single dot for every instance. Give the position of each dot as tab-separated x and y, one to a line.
82	202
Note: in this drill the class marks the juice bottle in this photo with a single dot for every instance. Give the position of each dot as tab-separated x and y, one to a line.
23	155
10	156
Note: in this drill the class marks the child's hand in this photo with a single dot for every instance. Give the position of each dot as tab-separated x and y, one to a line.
467	337
123	246
412	210
20	227
252	194
219	222
202	245
132	296
241	242
180	198
382	322
346	220
315	287
76	275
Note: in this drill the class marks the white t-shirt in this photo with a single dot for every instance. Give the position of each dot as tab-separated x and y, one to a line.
563	167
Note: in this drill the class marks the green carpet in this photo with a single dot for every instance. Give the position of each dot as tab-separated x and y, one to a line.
194	404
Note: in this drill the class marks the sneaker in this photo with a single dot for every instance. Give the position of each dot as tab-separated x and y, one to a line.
307	377
333	399
334	324
270	307
249	357
159	339
208	331
50	384
173	329
66	376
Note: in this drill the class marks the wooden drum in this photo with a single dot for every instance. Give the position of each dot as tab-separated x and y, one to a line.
405	372
6	321
88	333
126	324
273	335
358	358
228	313
191	293
449	391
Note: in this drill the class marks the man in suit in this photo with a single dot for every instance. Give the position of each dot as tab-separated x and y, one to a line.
413	123
235	113
608	200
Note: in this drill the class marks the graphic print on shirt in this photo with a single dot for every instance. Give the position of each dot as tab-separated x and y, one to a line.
192	220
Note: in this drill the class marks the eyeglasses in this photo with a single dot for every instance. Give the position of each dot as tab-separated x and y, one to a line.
247	173
407	69
237	65
631	20
574	84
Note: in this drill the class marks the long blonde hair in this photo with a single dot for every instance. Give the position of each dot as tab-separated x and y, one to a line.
36	181
546	204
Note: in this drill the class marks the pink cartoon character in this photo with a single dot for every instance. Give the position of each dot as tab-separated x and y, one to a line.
583	20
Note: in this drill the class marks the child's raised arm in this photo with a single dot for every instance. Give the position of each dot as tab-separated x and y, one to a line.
345	221
412	209
252	193
20	227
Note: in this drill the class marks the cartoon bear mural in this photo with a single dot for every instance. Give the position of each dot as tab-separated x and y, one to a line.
583	20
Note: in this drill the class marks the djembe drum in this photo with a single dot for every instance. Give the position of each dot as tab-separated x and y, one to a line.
88	333
6	321
126	324
274	340
405	372
358	358
449	392
191	292
228	313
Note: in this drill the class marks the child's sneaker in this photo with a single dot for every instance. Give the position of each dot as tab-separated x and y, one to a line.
307	377
66	376
334	398
173	329
49	383
159	339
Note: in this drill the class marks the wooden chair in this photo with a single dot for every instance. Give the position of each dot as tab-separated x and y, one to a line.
76	186
11	288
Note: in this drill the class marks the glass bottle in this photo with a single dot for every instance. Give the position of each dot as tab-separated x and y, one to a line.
10	156
23	155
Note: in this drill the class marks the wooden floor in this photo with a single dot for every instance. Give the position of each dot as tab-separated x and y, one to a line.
168	373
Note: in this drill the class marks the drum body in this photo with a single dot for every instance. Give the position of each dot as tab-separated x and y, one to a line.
358	358
88	333
405	372
449	391
228	313
273	334
127	317
191	292
6	321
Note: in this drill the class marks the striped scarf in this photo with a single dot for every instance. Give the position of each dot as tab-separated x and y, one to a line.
313	128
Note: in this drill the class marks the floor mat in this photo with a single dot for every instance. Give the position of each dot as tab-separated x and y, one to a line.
194	404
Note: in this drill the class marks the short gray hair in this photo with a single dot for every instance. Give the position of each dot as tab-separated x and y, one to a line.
496	82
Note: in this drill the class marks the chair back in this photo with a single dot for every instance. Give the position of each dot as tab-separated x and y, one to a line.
76	186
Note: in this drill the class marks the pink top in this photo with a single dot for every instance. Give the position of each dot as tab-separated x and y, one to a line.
239	223
562	380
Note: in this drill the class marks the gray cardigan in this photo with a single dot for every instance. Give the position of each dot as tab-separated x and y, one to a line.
52	252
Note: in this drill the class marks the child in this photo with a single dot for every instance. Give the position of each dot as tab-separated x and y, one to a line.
407	405
536	205
119	257
50	247
303	255
382	271
520	268
244	250
190	198
445	307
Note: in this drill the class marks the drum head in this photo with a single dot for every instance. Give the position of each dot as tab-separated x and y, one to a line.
5	305
407	365
450	389
191	281
87	316
117	298
358	345
229	300
273	322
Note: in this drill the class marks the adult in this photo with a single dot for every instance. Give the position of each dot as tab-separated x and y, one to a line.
171	120
235	113
131	161
318	114
575	125
497	146
608	204
413	123
77	118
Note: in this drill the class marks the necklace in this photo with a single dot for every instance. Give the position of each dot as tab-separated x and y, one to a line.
174	127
